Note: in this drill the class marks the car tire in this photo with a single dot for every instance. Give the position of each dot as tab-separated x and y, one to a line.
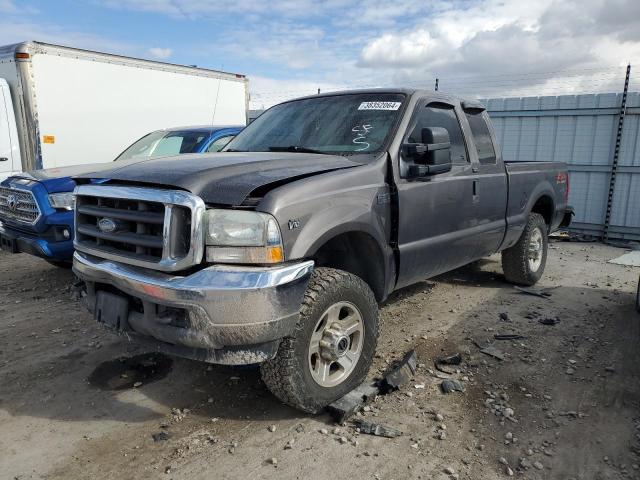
638	298
339	315
524	262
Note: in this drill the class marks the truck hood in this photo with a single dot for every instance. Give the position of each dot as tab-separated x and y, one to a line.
60	172
223	178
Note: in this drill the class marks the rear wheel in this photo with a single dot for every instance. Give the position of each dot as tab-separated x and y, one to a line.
331	349
524	262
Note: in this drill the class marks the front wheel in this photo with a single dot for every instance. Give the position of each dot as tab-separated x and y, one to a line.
331	349
524	262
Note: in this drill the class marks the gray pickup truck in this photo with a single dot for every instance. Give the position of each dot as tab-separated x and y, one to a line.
279	250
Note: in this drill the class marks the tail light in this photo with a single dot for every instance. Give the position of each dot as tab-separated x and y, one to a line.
563	178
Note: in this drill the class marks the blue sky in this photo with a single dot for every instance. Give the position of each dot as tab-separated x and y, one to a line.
289	47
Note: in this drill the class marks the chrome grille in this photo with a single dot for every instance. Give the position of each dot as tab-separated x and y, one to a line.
159	229
18	205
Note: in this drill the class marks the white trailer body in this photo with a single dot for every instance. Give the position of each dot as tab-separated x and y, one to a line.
62	106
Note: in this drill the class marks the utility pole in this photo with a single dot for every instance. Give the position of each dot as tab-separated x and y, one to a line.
616	154
436	84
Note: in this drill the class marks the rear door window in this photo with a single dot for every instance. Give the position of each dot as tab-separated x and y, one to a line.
481	137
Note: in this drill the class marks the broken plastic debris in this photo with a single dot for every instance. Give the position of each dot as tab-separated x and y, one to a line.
535	293
508	336
345	407
377	429
493	352
402	373
451	385
549	321
455	359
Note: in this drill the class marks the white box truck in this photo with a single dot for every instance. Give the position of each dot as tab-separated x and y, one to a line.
62	106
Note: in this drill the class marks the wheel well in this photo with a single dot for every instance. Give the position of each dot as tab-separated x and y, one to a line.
357	253
544	206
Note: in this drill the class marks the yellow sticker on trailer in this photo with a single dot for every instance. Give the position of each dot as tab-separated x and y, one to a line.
48	139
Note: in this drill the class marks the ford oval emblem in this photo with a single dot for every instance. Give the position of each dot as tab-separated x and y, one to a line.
106	225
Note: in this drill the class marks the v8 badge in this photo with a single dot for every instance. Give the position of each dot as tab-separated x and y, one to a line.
294	223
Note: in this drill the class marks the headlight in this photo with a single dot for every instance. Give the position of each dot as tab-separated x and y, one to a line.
237	236
64	200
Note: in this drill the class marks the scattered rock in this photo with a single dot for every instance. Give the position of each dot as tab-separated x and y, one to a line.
272	428
538	465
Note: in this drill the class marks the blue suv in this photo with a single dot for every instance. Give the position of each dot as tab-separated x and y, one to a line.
36	208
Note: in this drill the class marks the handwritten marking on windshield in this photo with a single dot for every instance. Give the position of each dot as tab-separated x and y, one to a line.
361	132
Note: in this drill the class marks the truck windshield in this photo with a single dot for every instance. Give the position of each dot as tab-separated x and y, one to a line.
339	124
164	144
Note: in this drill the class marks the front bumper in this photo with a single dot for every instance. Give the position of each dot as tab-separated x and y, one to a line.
220	314
17	241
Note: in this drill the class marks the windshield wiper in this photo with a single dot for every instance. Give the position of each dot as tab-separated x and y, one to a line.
295	148
233	150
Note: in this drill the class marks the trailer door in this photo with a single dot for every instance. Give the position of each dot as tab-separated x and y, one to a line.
7	132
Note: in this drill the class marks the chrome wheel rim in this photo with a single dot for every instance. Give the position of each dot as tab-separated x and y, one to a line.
535	250
336	344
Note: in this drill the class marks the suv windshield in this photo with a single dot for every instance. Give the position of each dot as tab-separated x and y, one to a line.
352	123
163	144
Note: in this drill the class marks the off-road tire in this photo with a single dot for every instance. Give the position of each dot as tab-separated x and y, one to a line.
515	260
288	375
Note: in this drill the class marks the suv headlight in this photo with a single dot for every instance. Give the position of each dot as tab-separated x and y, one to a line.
238	236
65	200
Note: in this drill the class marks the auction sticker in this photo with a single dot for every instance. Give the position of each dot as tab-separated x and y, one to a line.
379	106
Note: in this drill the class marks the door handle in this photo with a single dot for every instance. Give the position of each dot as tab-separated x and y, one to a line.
476	191
4	159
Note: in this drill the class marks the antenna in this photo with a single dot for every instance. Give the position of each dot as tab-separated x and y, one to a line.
215	105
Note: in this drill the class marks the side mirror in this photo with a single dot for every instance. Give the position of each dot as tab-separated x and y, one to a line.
432	156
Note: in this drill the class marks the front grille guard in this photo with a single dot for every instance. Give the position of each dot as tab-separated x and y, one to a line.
169	198
14	215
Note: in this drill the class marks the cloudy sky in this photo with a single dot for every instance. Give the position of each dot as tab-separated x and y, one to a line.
292	47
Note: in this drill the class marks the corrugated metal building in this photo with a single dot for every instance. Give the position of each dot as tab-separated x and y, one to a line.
580	130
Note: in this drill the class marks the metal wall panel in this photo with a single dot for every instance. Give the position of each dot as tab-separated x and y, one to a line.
579	130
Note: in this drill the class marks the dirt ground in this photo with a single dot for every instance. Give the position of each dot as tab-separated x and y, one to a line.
562	404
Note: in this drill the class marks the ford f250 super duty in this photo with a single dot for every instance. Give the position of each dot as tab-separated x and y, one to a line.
279	249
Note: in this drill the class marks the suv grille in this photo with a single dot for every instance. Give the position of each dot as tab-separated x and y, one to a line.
18	205
158	229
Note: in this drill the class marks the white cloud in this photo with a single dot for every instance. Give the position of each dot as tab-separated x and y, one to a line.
15	31
160	53
266	92
490	47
